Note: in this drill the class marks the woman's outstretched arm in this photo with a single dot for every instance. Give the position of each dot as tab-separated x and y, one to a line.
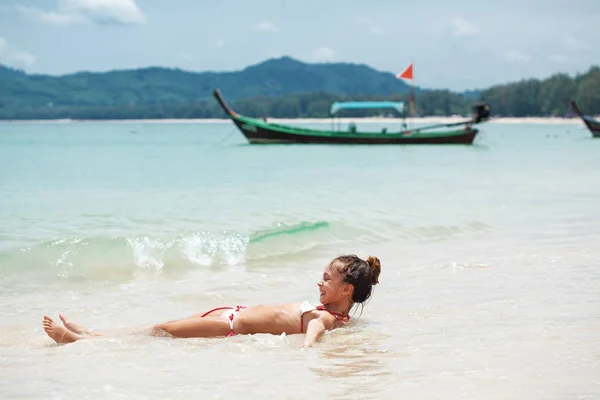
314	330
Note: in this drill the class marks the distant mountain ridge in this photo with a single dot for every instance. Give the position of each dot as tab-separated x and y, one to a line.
281	87
155	85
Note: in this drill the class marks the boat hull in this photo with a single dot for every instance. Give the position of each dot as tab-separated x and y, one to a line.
259	134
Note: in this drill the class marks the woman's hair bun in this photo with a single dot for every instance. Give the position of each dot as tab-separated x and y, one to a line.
375	265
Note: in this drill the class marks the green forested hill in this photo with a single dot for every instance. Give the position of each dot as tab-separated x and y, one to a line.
546	97
281	87
273	78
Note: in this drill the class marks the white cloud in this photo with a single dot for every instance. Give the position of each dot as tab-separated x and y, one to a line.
515	56
187	56
324	54
107	11
220	43
462	28
563	59
575	45
21	58
14	57
50	17
266	26
123	12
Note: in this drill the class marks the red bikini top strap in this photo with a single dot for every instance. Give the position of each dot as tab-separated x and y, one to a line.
338	316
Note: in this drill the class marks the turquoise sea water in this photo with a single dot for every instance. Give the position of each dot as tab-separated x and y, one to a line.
490	284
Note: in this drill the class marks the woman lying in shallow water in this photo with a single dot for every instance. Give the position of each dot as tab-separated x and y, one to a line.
346	281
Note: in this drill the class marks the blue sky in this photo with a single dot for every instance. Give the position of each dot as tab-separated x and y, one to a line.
454	44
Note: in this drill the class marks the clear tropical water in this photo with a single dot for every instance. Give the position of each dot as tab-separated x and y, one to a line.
490	284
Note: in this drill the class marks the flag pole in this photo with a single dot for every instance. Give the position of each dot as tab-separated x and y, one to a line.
411	100
412	92
408	74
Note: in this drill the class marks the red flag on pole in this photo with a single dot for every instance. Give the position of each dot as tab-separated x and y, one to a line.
407	74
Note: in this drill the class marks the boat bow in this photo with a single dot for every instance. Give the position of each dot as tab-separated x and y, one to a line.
223	103
592	124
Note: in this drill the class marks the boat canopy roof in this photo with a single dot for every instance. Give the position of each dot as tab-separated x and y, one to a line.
335	107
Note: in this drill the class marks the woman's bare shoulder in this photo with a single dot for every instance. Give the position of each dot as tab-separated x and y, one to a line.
326	318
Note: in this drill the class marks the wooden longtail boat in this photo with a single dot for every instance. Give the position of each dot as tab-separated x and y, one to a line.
592	124
258	131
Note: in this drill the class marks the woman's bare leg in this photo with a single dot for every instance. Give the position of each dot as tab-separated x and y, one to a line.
76	328
195	327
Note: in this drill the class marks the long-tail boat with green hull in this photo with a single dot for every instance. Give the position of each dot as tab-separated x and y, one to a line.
592	124
259	131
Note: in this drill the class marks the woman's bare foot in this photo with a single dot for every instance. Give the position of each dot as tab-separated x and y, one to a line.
59	333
